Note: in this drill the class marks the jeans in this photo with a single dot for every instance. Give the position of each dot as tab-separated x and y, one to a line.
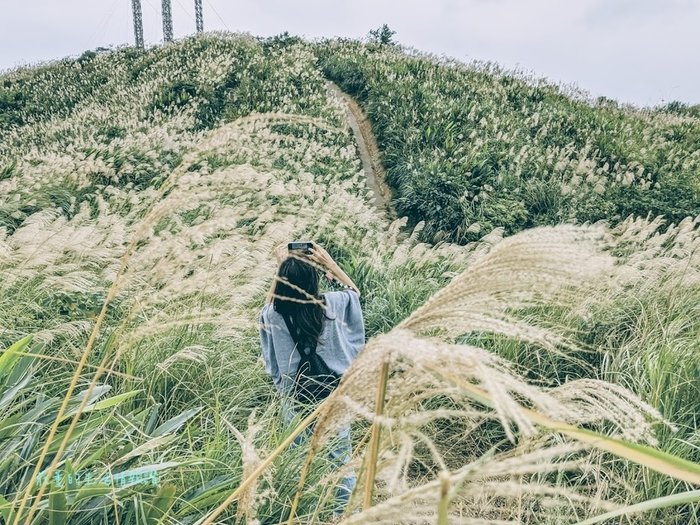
339	454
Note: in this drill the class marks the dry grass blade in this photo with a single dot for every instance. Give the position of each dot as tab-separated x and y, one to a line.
376	430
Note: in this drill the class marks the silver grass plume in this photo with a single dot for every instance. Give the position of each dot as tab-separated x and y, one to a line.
539	266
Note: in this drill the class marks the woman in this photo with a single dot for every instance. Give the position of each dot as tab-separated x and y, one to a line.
332	323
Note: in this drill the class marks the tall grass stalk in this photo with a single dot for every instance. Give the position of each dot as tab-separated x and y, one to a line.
444	504
373	451
209	518
302	479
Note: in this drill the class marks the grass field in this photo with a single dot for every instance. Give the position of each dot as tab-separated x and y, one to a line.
471	148
141	196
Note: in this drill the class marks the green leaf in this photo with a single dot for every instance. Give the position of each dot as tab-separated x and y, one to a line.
6	510
146	447
57	506
171	425
161	504
650	457
148	473
112	401
10	394
152	418
69	474
10	356
213	492
90	491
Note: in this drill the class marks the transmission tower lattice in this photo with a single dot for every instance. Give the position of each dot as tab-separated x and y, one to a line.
167	21
138	23
199	15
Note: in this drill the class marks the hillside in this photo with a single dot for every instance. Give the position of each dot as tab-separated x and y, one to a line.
471	148
141	197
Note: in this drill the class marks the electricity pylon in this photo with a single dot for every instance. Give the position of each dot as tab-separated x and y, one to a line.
167	21
199	15
138	23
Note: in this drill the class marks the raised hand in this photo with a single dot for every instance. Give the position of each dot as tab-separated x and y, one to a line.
281	252
321	257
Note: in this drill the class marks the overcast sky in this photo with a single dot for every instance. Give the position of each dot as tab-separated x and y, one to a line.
641	51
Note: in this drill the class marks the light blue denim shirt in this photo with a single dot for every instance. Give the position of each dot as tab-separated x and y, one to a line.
341	339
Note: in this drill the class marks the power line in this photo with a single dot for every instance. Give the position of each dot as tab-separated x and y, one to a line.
217	14
152	7
186	11
102	26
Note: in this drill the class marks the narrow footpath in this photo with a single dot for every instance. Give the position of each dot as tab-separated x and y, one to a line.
369	151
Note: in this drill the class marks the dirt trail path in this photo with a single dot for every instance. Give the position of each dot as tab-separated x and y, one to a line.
369	152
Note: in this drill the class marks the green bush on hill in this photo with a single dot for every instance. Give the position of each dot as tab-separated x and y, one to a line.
471	148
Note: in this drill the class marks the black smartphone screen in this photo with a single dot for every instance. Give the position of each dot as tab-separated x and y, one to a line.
306	246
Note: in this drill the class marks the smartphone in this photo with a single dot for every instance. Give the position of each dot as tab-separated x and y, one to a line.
304	246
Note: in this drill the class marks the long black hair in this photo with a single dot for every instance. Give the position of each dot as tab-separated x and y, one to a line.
306	317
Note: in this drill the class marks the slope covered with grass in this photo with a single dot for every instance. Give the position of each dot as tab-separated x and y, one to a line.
471	148
195	159
140	199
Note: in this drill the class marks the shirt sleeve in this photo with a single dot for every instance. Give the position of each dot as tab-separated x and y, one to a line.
268	348
353	320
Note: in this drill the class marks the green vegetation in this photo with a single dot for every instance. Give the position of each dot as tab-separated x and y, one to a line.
142	193
471	148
